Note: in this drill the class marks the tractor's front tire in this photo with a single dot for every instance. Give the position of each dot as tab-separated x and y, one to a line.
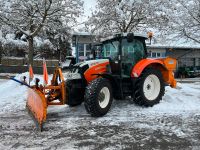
98	97
149	88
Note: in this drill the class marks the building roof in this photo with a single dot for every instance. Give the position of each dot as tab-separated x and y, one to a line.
176	46
172	46
172	41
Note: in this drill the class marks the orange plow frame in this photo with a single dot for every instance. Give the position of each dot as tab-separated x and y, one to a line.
39	98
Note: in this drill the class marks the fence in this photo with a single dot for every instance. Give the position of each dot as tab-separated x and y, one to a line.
15	61
19	65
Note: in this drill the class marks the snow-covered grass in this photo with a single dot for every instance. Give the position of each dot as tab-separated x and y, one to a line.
171	123
13	95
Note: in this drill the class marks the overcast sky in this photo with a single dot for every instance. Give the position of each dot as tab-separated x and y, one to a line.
88	6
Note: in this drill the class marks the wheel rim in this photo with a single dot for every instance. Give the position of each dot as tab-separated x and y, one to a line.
104	97
151	87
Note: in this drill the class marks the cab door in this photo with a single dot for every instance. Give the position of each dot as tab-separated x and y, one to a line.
111	51
132	52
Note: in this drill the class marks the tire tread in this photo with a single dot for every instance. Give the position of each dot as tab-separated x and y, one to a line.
139	96
91	93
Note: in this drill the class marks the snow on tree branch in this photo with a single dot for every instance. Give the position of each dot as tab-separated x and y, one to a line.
183	18
31	17
122	16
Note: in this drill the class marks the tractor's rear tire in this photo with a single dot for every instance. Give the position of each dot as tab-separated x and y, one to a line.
149	88
98	97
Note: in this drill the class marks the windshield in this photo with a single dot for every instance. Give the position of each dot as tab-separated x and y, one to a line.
110	49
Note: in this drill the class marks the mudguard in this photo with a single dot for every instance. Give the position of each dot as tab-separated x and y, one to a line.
165	65
95	69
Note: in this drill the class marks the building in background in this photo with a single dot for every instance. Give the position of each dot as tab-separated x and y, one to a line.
156	52
84	46
185	51
186	56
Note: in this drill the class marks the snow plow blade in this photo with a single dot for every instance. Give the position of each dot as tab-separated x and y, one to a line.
40	97
37	107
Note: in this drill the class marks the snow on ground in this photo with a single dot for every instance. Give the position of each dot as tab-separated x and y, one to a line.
173	123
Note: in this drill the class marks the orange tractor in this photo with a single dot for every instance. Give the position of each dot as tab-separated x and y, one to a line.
122	70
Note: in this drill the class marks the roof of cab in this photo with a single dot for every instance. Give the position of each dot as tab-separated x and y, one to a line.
113	37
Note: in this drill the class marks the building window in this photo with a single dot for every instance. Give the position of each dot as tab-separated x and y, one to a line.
157	54
163	54
149	54
153	54
73	41
81	49
88	50
198	62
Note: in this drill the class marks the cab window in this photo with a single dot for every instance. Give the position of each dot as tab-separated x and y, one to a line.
132	52
111	49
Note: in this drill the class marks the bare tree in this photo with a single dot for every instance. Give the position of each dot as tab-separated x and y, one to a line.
1	49
122	16
182	18
60	38
32	16
189	16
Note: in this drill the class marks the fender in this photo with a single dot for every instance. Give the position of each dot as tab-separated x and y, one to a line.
95	69
142	64
165	65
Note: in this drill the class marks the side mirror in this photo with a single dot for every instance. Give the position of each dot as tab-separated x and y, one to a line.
130	37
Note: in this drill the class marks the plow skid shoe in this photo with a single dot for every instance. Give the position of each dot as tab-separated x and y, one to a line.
37	107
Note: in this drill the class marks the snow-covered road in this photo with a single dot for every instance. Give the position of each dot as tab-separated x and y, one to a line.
174	123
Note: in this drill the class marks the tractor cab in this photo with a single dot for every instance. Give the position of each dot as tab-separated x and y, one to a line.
124	51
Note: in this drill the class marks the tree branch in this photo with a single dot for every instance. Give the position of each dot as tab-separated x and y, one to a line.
188	36
45	14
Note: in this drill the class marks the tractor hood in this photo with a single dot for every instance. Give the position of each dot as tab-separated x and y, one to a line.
91	66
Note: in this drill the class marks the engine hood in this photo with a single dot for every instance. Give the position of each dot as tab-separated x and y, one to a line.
87	69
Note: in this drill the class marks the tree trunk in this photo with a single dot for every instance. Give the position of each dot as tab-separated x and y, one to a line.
0	56
1	50
31	50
